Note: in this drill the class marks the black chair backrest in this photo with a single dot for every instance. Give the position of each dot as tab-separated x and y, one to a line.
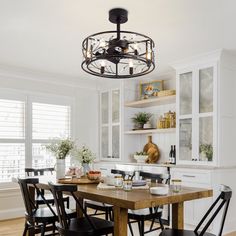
159	178
57	191
122	172
223	200
38	171
27	198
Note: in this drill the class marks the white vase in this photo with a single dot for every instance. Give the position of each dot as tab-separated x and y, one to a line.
86	168
60	168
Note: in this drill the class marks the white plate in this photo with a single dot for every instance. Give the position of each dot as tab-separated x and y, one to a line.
139	182
162	190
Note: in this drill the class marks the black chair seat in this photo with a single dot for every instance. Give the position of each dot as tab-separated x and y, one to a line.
45	214
178	232
49	197
81	226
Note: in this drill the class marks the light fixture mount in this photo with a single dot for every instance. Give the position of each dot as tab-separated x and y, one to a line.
118	54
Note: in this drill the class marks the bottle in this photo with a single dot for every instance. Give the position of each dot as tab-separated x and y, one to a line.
174	155
171	154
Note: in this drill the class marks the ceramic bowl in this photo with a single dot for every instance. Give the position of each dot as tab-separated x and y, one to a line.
160	190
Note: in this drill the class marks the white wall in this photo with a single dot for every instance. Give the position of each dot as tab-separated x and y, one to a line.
85	120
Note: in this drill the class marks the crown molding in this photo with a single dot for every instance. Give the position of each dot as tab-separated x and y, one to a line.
14	72
200	58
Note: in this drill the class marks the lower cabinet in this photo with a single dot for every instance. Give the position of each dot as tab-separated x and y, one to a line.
194	210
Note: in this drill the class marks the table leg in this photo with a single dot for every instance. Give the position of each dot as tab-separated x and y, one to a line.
178	215
78	209
120	221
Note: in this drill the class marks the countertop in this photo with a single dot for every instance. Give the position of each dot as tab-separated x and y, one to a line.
205	167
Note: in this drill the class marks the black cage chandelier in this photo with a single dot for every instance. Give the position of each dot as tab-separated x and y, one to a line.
118	54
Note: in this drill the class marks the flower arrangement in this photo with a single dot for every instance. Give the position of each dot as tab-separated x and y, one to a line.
84	155
61	147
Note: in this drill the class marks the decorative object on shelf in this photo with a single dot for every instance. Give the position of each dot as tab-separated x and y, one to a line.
118	54
206	152
152	150
60	148
140	119
141	157
85	156
167	121
166	93
150	89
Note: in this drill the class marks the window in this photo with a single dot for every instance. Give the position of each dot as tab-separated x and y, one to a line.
110	124
48	121
12	139
26	125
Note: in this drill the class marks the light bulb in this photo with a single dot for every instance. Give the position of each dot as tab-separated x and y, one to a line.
131	67
149	56
102	69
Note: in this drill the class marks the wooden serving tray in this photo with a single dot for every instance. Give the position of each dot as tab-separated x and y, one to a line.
83	180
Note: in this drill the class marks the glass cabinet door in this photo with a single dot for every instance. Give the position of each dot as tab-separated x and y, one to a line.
104	124
110	124
185	139
206	114
185	91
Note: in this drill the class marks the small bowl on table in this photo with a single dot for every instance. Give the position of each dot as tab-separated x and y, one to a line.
94	175
160	190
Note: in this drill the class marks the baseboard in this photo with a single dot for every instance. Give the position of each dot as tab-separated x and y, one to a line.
12	213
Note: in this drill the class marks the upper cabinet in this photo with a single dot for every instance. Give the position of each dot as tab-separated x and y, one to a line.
195	113
110	119
203	90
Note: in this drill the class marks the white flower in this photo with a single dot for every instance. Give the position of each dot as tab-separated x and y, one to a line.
83	155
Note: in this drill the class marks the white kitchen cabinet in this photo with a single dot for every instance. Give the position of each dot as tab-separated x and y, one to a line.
206	117
194	210
110	125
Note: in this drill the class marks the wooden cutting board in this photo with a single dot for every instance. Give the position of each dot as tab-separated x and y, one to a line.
77	181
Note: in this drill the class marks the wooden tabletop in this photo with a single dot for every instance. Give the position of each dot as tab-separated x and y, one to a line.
138	199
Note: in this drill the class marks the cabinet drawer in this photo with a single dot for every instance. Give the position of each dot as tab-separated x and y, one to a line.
191	177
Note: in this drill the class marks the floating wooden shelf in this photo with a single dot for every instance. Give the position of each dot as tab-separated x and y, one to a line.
151	131
152	102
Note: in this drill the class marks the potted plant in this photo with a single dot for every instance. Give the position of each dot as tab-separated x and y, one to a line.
60	148
85	156
140	156
207	151
140	119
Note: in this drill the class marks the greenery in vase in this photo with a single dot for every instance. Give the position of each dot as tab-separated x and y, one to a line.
60	148
207	149
141	118
84	155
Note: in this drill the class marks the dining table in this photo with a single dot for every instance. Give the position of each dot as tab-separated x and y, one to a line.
137	199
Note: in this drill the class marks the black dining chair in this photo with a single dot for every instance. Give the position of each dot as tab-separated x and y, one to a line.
48	196
36	219
153	214
79	226
221	203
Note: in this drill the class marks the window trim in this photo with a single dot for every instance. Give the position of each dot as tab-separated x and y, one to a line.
28	98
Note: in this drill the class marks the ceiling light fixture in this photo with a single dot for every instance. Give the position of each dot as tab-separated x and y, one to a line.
118	54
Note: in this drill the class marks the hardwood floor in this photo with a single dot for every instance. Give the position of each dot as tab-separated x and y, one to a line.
14	227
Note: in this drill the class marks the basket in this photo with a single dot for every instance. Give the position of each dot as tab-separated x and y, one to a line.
166	93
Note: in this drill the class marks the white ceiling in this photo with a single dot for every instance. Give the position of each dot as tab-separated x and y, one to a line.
46	35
